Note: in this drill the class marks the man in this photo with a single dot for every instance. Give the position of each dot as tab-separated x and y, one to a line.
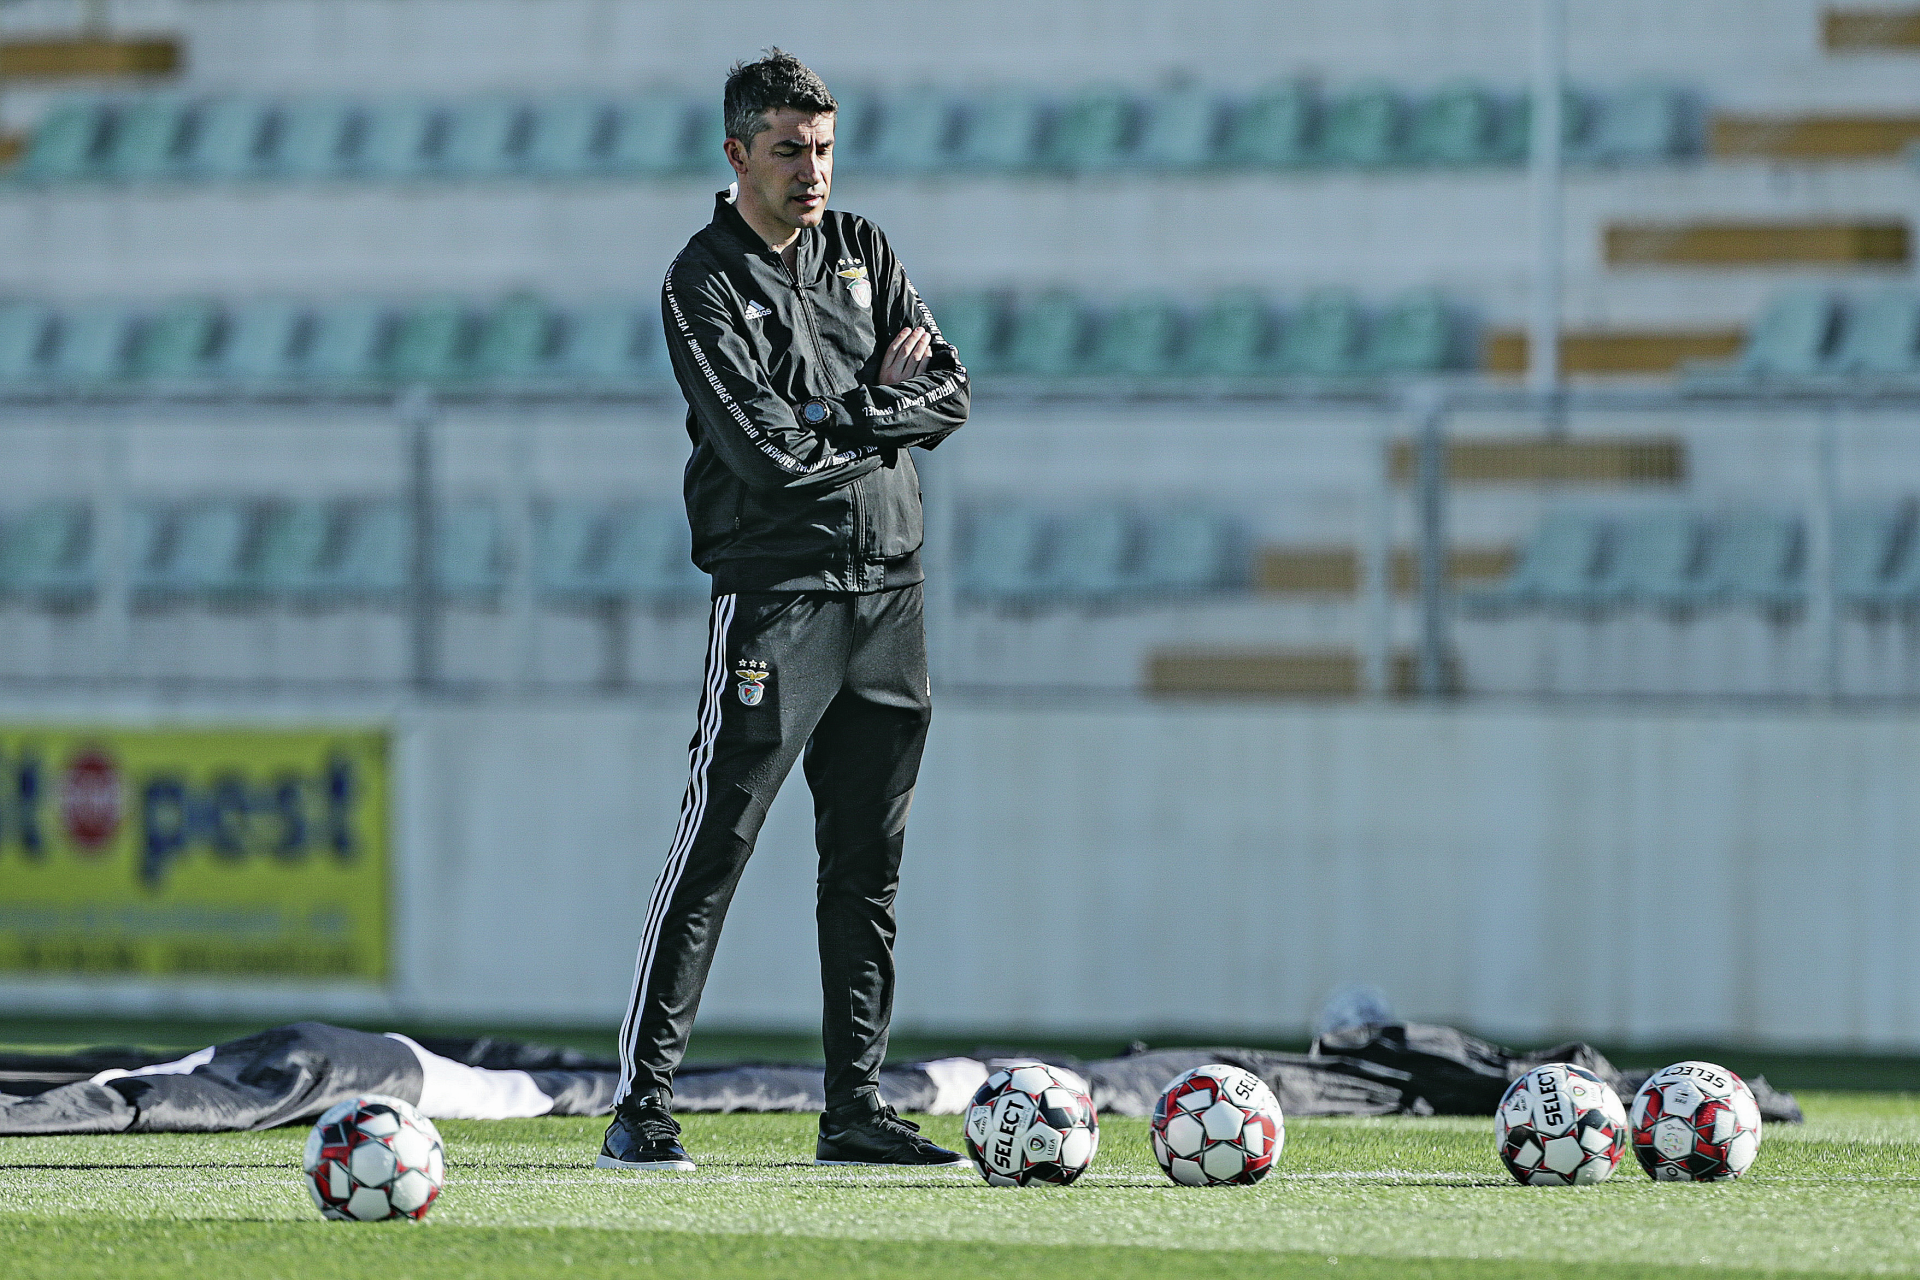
809	365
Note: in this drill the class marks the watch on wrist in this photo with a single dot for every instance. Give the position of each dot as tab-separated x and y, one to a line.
815	411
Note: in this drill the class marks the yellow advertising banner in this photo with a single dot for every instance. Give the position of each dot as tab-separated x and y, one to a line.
194	852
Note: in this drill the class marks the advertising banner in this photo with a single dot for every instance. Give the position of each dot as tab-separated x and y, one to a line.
197	852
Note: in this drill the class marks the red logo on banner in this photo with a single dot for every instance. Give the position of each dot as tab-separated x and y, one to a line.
90	800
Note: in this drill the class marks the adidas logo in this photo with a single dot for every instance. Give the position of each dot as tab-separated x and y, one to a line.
757	312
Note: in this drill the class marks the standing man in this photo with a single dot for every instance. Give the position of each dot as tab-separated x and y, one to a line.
809	365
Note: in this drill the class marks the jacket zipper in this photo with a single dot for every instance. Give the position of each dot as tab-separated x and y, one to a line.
856	557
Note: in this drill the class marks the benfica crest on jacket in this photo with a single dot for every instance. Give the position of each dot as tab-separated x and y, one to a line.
753	681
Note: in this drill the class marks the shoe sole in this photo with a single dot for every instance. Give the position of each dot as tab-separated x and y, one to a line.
605	1161
896	1164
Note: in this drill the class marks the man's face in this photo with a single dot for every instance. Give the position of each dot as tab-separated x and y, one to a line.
786	175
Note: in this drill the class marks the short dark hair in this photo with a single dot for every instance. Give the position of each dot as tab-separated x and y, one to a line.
775	80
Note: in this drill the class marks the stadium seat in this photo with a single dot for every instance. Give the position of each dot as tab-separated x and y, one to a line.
469	560
228	139
706	146
1186	551
1278	129
517	341
1880	335
1658	560
432	341
1418	333
295	543
1560	565
488	138
1140	338
648	556
1004	555
973	323
313	138
1095	553
1323	337
262	340
46	552
912	133
1868	545
569	551
615	342
1048	336
69	142
1181	129
1793	336
855	127
1233	336
571	136
374	560
349	341
1756	559
1642	123
177	342
396	139
1002	131
652	135
1094	132
147	139
1365	126
193	550
92	343
1456	126
23	341
1513	129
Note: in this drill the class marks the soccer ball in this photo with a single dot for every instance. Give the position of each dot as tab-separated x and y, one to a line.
372	1158
1560	1126
1695	1122
1217	1125
1032	1123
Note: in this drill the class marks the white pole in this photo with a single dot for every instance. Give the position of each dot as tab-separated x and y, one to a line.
1546	165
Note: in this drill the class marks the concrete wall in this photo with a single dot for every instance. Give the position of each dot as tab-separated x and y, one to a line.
1125	866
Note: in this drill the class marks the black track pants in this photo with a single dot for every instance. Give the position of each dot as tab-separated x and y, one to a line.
845	677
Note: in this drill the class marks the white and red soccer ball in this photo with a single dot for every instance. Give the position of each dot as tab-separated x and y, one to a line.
372	1158
1215	1126
1032	1123
1695	1122
1560	1126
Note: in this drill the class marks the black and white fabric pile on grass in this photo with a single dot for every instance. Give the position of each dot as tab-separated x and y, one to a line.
290	1074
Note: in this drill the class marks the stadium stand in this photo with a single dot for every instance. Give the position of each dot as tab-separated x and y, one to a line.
170	136
1109	554
1814	336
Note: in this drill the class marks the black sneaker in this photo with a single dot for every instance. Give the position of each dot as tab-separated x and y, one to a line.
870	1132
644	1137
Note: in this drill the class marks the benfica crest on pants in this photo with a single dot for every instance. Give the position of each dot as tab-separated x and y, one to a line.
753	681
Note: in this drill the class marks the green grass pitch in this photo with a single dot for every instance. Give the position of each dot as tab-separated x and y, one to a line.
1352	1198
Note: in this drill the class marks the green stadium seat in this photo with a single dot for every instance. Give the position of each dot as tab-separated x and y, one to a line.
855	126
1188	551
1365	126
571	136
191	551
1094	554
517	341
1004	554
46	552
653	135
1868	543
469	559
617	342
1278	129
348	341
1658	560
1418	333
649	556
262	341
1793	337
148	139
973	323
1181	129
1455	126
706	146
1756	559
1139	338
1322	338
1094	132
228	139
569	548
1048	336
432	341
312	137
374	555
1513	129
23	340
396	139
1233	337
92	343
178	342
69	143
1880	335
1559	566
294	543
914	132
488	138
1001	131
1644	122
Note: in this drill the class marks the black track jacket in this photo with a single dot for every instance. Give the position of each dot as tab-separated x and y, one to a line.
800	479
